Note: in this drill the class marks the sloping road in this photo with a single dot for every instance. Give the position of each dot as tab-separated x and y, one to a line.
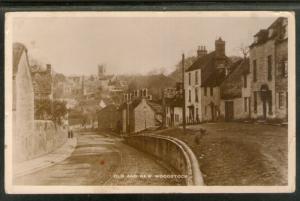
101	159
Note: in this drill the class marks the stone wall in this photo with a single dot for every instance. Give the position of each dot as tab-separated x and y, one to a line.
45	138
173	152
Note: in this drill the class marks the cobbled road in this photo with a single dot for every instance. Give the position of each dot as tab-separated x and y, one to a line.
102	159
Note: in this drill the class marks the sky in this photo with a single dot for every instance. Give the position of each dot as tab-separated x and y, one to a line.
129	45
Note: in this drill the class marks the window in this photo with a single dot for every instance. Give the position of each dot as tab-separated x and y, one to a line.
255	102
284	68
189	78
280	101
245	104
196	94
205	110
269	67
190	96
245	81
254	71
211	91
205	91
196	77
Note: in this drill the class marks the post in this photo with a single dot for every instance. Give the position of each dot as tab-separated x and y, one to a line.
164	124
183	96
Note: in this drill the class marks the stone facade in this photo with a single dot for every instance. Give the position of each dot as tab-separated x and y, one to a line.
23	104
268	67
202	80
139	115
235	92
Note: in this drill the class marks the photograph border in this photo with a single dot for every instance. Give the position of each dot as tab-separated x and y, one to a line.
10	188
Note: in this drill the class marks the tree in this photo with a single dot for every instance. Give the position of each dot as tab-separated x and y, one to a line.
46	109
42	109
177	74
59	111
244	50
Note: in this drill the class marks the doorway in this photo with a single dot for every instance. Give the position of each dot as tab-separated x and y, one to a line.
229	111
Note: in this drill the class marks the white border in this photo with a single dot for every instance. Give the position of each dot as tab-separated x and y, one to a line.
17	189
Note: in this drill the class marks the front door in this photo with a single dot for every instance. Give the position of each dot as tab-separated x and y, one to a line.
229	110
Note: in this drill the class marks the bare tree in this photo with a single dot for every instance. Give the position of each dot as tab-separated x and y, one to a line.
244	50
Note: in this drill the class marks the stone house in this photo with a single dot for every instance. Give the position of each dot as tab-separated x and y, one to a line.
109	118
22	104
235	92
140	114
269	72
42	83
202	81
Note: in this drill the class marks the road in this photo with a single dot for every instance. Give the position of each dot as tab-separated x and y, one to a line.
101	159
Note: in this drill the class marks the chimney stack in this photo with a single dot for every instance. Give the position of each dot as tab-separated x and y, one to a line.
220	47
201	51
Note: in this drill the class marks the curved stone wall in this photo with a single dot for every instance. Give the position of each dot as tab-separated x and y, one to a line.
173	152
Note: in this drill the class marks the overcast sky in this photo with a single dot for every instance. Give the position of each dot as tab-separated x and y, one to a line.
128	45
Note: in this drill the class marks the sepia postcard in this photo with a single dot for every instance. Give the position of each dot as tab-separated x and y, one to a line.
150	102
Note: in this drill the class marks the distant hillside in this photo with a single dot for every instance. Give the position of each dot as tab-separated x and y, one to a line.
177	74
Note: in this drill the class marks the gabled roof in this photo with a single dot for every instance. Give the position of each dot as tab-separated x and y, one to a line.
156	107
232	85
202	61
210	76
278	30
18	49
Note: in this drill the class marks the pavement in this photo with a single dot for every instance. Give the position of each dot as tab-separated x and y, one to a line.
102	159
36	164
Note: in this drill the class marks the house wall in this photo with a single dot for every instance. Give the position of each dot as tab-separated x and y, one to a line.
23	110
108	119
239	111
177	116
192	102
281	82
260	53
144	117
278	84
206	104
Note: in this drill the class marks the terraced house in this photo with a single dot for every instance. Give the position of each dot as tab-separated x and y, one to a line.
269	72
202	83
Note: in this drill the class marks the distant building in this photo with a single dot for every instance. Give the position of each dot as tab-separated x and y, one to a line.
42	83
269	72
101	71
202	81
173	111
139	115
109	118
